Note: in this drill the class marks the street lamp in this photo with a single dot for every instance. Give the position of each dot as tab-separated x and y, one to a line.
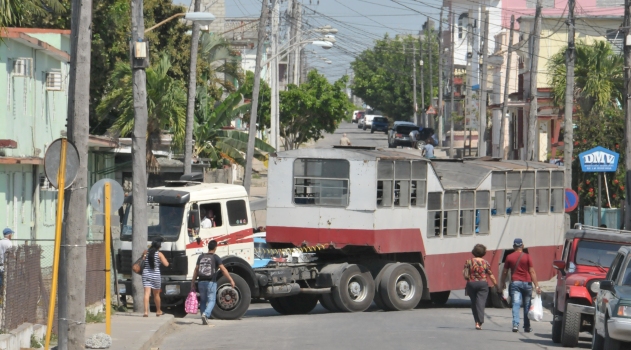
203	18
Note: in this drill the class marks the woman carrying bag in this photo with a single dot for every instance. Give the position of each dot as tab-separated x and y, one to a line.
151	279
476	271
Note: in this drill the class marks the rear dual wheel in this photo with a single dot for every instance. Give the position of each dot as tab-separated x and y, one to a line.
355	292
400	287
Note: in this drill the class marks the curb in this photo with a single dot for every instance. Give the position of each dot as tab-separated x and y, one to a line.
158	336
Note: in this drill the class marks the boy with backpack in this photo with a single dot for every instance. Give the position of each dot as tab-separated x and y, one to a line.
206	269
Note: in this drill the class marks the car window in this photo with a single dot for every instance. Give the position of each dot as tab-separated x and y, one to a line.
596	253
380	120
237	212
626	277
615	267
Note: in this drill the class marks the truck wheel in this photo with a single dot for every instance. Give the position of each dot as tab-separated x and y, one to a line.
278	307
326	300
570	328
611	344
401	287
232	303
598	341
378	299
356	290
299	304
557	326
440	298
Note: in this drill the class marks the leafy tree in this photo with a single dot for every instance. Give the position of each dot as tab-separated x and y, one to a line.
598	117
14	13
222	68
383	75
212	141
166	104
265	94
314	107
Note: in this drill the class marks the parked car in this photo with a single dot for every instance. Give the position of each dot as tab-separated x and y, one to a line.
399	135
379	124
356	116
612	321
369	115
587	254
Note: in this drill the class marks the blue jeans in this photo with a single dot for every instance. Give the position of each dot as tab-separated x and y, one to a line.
208	296
520	290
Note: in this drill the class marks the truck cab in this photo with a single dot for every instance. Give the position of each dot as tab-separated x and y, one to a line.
587	255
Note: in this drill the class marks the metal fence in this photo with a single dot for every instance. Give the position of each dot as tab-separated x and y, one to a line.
28	274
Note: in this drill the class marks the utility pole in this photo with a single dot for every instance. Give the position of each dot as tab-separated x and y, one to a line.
627	111
534	66
73	320
422	117
139	150
453	88
298	37
428	38
247	177
468	104
568	135
274	77
439	110
192	88
504	124
483	87
416	118
291	15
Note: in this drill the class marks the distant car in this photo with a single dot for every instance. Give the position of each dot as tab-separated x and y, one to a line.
369	116
612	319
399	135
356	116
379	124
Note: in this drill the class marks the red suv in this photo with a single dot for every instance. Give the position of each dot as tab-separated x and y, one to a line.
587	255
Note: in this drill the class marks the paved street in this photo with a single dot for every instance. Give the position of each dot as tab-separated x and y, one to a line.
448	327
357	136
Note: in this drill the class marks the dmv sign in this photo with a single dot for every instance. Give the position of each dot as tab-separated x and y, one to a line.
599	159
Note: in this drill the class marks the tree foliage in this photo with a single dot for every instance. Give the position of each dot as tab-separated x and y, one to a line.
311	109
383	75
16	13
598	114
166	105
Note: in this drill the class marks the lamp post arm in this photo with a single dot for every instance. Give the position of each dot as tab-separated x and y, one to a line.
166	20
283	51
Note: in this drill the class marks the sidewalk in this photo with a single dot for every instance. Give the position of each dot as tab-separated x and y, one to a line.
134	332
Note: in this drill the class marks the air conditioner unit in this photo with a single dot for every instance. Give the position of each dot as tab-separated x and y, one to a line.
22	67
53	81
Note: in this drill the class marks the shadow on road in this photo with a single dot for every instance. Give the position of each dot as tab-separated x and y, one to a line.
543	339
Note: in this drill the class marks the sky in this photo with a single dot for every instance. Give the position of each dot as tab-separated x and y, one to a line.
360	23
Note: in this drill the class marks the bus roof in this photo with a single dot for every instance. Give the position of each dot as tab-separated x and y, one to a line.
180	192
353	154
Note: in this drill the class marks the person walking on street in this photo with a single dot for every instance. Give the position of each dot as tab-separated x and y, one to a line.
523	275
478	270
151	280
345	141
206	269
5	244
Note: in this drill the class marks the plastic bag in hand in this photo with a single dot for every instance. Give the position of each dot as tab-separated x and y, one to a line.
536	310
191	305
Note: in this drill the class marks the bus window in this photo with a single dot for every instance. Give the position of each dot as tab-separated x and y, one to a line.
402	172
467	210
419	184
451	217
528	193
482	203
385	175
514	201
434	214
557	204
321	182
499	203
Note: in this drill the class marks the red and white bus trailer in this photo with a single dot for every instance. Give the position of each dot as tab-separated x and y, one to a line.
387	226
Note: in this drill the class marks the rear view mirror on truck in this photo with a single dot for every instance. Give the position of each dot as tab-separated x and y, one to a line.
193	219
606	285
559	265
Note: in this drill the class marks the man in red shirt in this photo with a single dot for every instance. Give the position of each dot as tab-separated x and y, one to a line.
522	276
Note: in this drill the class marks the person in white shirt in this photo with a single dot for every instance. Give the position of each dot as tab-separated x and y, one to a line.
5	244
209	220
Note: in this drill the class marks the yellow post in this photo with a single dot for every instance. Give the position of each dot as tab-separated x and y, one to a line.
108	261
58	224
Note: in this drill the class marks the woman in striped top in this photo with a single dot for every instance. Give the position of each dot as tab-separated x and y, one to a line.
151	275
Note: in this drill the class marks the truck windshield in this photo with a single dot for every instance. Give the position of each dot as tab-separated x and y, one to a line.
163	220
596	253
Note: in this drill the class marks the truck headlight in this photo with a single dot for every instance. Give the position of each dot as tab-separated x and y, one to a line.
595	287
172	289
624	310
122	289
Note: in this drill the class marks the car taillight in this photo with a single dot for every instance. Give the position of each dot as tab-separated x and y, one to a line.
399	135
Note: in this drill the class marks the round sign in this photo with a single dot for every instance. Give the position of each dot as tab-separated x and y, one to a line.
571	200
97	195
51	163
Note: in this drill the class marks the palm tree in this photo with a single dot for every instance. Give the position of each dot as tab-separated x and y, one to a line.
222	66
599	79
14	12
166	105
214	142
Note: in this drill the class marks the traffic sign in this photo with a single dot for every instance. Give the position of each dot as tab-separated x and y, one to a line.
97	195
571	200
431	110
599	159
51	163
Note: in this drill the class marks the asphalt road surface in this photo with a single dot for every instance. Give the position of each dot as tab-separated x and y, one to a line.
357	136
446	327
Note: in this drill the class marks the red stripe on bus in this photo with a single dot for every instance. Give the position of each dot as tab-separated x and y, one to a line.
384	241
230	238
